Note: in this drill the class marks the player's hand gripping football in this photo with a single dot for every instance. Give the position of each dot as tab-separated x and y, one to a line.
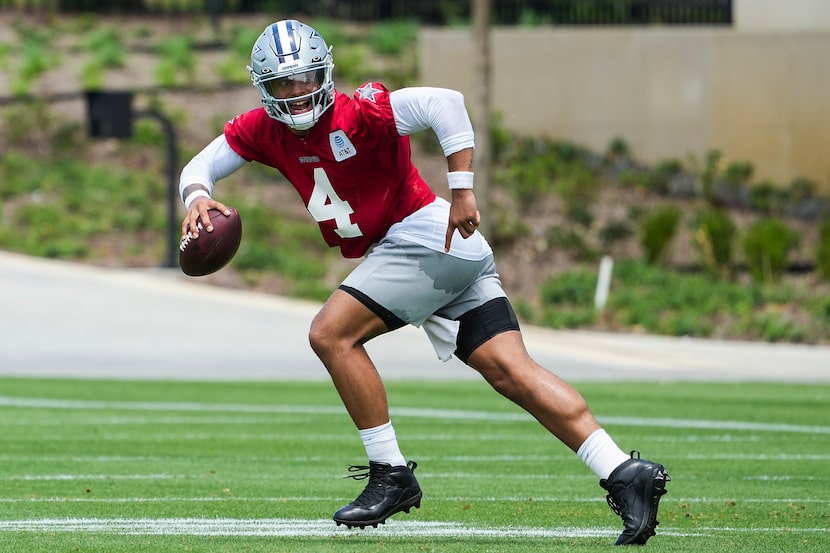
199	211
464	215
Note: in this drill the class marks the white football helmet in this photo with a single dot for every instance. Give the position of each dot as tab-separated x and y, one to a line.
291	65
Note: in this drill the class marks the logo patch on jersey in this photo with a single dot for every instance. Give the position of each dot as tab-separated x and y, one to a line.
368	92
341	146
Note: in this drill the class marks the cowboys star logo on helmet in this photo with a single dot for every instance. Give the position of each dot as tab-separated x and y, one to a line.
291	66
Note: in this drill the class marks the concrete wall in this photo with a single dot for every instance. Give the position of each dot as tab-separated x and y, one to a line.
756	96
781	15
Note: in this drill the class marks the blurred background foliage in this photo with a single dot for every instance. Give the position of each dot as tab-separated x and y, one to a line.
433	12
700	248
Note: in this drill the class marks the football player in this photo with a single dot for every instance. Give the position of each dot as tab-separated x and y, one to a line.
424	263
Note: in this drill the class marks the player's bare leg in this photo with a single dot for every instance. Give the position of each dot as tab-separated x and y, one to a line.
505	363
337	335
634	486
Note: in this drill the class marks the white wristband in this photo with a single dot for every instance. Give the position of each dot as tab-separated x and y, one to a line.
193	195
458	180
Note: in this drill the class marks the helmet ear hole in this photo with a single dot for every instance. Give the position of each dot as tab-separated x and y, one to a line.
290	62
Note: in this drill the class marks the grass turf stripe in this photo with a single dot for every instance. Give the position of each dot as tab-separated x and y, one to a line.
313	499
447	414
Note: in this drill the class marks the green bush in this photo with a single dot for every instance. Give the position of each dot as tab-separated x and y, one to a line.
352	65
106	52
768	198
654	179
774	327
35	55
714	236
575	184
580	215
650	299
572	242
823	253
618	147
614	231
18	175
393	37
506	227
708	173
657	230
532	167
177	63
636	178
739	172
660	176
802	189
531	178
568	300
107	47
232	68
332	30
573	288
822	310
766	245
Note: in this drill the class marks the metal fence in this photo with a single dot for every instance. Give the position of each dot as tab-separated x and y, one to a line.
506	12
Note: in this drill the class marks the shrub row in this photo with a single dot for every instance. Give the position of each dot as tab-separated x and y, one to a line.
528	169
646	298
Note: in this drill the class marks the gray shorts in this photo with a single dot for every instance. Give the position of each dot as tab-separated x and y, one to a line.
413	282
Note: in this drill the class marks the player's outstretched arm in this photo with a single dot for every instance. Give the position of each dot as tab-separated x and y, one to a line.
198	179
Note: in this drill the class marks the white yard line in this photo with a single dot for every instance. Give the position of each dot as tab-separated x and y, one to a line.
285	528
326	528
69	477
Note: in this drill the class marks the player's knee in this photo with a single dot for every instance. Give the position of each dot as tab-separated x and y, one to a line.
504	383
507	377
320	336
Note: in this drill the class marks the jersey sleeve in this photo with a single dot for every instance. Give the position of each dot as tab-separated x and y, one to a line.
373	101
241	133
216	161
440	109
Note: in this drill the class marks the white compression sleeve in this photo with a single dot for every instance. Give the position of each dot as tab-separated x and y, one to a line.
216	161
441	109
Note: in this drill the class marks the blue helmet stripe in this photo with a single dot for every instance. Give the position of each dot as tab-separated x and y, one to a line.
284	41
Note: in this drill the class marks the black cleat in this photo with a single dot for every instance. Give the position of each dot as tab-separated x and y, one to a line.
390	490
634	491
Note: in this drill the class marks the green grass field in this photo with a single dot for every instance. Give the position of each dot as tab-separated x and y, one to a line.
244	467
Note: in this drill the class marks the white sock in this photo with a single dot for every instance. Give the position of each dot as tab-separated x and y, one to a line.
382	445
601	454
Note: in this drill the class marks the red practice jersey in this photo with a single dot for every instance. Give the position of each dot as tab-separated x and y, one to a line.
353	170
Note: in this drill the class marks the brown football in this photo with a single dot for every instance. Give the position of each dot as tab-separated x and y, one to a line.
211	250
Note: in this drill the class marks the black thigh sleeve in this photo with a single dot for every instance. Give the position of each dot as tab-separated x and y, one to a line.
393	322
482	323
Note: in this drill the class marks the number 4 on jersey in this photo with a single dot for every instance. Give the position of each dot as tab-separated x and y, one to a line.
325	205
